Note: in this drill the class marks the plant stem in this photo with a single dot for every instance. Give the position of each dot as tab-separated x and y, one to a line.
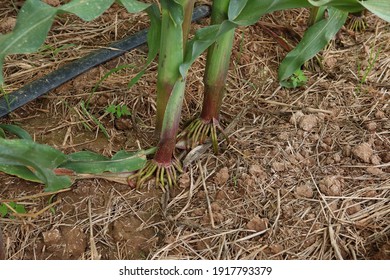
188	10
167	142
316	14
170	84
217	65
171	54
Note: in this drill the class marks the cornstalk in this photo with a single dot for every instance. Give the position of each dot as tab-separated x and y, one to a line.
175	24
217	65
171	55
316	14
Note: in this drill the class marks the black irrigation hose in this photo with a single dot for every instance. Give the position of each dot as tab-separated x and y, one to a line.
69	71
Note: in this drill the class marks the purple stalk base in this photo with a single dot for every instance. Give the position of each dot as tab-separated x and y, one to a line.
212	102
166	145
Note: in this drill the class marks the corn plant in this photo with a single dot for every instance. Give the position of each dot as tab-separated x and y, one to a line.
168	36
217	65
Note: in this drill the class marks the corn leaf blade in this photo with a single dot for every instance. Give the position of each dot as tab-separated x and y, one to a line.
16	130
33	24
87	162
314	40
235	8
255	9
379	7
134	6
153	40
21	172
40	159
345	5
203	38
86	9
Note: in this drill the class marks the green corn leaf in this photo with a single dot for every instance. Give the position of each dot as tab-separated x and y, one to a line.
204	38
314	40
16	130
345	5
33	24
133	6
153	40
86	9
379	7
255	9
235	8
85	156
20	171
40	159
175	10
36	17
86	162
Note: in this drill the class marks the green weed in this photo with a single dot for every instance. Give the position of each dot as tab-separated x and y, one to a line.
8	208
118	111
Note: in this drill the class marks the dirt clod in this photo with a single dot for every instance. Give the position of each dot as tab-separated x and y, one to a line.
363	152
308	122
385	157
258	172
257	224
296	117
123	123
304	190
375	160
278	166
276	248
7	25
375	171
371	126
52	237
75	240
331	186
184	180
353	208
222	176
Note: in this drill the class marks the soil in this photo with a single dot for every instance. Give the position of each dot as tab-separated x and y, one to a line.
305	174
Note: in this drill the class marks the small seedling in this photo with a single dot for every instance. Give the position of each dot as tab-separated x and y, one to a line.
118	111
7	208
296	80
299	78
53	51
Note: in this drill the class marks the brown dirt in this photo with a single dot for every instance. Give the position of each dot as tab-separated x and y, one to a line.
304	176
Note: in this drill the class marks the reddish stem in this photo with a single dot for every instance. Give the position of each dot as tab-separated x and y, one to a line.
212	102
165	151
